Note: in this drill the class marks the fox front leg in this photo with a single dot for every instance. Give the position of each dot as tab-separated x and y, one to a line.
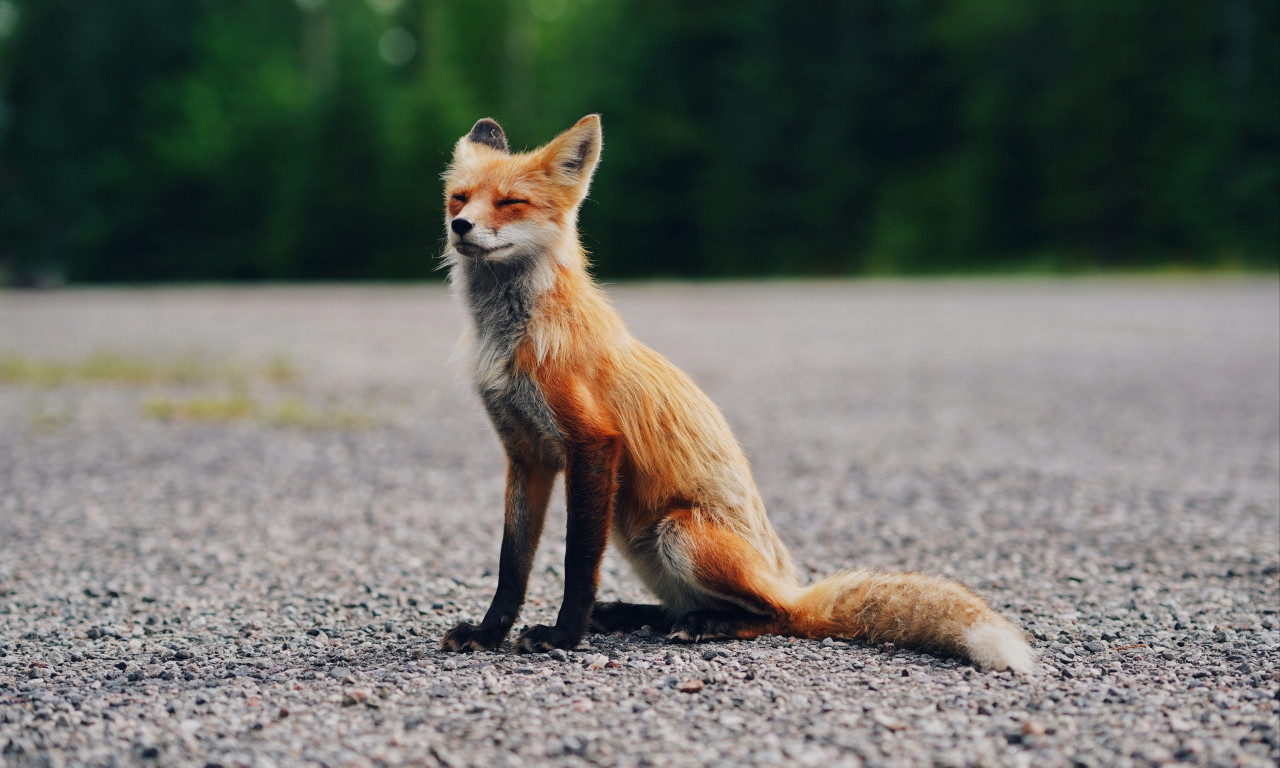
528	491
591	479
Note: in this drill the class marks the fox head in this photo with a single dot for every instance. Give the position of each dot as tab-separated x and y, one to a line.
508	207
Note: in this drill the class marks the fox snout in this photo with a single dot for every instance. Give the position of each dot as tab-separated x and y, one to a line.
473	239
477	242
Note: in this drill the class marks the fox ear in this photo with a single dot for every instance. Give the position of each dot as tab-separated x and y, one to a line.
571	157
488	133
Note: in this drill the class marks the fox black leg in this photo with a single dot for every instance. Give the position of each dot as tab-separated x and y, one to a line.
591	480
697	626
628	617
528	491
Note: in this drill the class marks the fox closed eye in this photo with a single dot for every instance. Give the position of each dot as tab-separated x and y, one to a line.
460	197
512	201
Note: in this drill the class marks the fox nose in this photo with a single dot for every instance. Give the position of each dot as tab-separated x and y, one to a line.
461	226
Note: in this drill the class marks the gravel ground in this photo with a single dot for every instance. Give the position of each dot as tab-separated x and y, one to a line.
267	585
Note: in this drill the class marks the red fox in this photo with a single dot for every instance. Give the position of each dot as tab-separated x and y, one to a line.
648	459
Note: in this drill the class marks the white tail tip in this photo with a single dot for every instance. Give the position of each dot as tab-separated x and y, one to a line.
999	646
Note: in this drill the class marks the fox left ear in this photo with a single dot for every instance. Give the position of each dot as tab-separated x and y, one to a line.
488	133
572	156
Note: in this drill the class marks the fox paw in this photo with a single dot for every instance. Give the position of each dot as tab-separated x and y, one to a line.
696	626
541	638
466	637
682	635
691	628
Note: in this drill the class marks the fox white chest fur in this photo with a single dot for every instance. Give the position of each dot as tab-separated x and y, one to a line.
501	299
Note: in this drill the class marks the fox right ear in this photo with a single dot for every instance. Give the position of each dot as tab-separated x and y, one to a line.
571	157
488	133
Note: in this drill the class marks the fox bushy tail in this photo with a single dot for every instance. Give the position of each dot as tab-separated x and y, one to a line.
912	610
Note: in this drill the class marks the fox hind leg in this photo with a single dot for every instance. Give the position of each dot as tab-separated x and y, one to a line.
738	594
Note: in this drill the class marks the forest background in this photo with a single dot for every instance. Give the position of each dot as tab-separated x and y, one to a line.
281	140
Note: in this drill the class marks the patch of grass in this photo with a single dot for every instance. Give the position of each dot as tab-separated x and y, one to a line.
101	367
291	413
115	368
230	408
297	413
221	390
280	370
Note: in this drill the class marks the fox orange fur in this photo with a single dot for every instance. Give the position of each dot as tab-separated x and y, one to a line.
648	459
